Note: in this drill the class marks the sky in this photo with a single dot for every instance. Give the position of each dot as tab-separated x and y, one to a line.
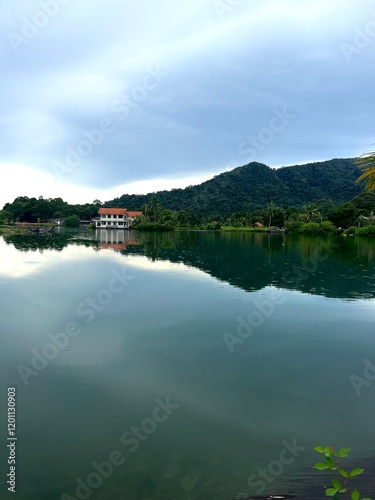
100	99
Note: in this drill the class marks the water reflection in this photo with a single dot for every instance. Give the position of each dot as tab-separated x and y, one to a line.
116	239
163	337
334	267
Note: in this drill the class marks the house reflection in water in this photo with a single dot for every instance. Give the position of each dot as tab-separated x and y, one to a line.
115	239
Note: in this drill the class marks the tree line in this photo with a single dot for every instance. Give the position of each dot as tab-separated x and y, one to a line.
34	210
360	211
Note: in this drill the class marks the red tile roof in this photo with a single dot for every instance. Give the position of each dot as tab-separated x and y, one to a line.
135	214
112	211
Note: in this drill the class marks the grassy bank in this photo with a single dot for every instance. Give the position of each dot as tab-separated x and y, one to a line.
244	229
19	227
152	226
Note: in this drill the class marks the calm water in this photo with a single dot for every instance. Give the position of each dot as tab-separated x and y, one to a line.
161	318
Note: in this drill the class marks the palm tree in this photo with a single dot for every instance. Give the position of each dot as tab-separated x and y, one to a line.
270	211
144	209
312	213
154	208
366	221
366	162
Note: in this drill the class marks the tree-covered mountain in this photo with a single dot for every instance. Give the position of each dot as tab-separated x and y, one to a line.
254	185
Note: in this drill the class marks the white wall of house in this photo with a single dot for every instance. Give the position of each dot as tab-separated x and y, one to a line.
119	221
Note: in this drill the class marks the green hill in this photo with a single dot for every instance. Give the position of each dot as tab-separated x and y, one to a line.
252	186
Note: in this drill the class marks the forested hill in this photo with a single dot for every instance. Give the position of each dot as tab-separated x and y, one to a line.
254	185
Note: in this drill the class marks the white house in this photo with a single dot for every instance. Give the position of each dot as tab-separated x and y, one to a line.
116	218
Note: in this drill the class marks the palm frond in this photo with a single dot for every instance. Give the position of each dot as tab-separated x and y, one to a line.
366	163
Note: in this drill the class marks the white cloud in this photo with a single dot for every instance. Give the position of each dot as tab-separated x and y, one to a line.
224	77
28	264
21	180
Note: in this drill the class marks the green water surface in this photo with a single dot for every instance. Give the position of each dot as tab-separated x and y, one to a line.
252	338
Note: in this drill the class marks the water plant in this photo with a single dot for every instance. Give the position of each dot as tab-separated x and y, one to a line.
339	486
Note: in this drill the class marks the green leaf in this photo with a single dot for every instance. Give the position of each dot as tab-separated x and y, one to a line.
319	449
336	484
320	466
344	452
331	492
330	462
355	495
356	472
343	472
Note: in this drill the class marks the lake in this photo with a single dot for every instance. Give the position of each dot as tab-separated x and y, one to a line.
185	365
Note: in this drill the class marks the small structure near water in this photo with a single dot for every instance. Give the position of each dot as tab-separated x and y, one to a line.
115	218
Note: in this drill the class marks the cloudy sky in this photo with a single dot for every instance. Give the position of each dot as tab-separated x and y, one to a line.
102	98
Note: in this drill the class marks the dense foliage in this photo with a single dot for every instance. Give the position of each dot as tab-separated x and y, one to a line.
25	209
252	186
360	231
317	228
72	221
220	198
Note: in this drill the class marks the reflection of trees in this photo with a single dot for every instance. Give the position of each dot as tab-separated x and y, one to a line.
28	242
151	247
31	242
330	266
357	252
